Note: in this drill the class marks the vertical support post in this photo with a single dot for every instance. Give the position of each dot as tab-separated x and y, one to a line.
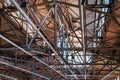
62	40
81	12
27	34
55	25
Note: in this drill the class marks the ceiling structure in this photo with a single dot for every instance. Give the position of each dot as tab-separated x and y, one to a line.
59	39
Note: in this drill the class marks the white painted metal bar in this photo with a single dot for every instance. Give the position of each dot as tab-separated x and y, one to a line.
8	77
41	24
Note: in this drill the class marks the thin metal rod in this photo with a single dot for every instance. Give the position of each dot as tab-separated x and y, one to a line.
1	36
7	64
41	24
117	67
27	35
55	25
8	77
62	49
81	11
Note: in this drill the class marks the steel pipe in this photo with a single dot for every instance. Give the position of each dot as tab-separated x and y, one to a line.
8	77
7	64
81	12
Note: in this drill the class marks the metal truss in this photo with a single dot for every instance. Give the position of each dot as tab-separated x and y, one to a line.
68	40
